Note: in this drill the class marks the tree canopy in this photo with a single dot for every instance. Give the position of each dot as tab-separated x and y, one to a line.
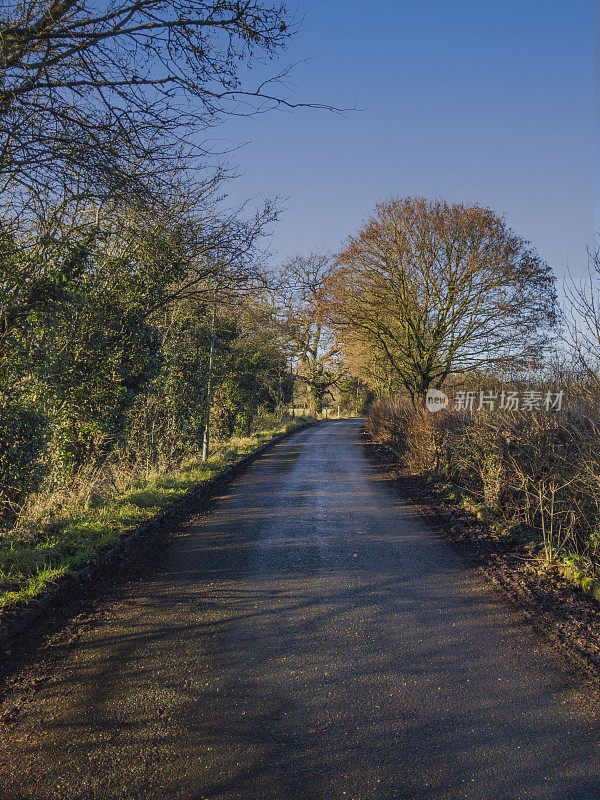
113	94
116	244
310	341
429	288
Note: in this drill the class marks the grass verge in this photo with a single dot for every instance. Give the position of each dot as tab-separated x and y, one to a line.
30	564
575	569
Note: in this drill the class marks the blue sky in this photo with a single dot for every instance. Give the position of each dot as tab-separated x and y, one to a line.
489	102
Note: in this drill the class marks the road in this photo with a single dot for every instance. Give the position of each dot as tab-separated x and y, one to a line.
307	638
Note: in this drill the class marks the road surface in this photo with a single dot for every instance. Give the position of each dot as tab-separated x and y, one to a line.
307	638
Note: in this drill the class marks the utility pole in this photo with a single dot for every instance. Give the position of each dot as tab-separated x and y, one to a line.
292	374
206	442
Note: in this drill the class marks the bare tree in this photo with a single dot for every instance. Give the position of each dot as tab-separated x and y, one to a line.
114	92
428	289
311	341
581	331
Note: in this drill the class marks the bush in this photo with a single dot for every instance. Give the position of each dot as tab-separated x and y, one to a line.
21	441
537	469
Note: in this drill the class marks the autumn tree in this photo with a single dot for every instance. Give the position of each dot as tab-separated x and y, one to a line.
428	289
312	343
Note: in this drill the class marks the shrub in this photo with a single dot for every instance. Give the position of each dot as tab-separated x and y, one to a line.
539	469
21	441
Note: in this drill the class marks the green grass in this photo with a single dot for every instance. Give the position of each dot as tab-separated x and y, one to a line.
30	565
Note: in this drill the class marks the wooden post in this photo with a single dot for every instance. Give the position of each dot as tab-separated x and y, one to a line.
206	443
292	374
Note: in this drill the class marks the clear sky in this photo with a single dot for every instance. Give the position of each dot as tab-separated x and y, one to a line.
471	100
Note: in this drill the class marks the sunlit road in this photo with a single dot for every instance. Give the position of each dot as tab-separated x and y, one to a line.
307	638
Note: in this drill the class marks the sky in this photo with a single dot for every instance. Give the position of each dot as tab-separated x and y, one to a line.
488	102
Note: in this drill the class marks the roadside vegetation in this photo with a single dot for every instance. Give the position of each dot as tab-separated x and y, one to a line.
143	342
91	517
533	476
434	296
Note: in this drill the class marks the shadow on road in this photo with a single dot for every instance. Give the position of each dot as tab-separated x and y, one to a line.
306	639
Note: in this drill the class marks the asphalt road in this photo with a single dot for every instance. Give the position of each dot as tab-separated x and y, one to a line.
307	638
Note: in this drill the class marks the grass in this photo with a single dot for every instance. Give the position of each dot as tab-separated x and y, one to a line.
32	561
534	477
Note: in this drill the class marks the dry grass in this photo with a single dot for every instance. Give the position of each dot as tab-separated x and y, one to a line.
61	529
535	476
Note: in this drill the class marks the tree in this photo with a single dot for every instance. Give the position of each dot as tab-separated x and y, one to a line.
250	369
582	328
93	320
428	289
111	92
311	342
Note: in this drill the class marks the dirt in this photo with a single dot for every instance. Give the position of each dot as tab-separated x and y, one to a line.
566	616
